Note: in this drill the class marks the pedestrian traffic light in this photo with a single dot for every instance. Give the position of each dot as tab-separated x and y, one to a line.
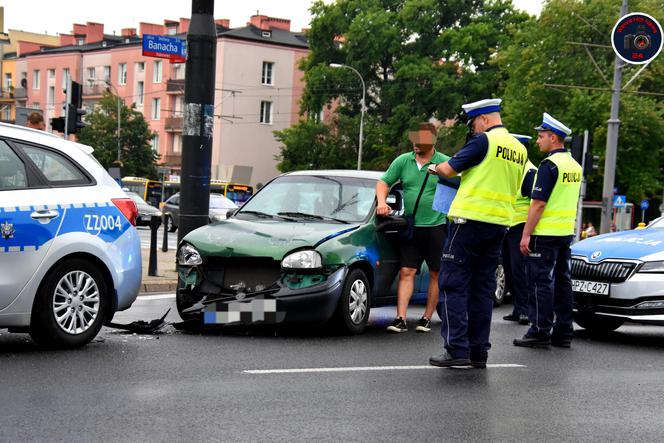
58	124
577	148
75	110
591	164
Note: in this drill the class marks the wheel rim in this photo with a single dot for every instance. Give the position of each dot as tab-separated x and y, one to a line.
500	282
76	302
357	306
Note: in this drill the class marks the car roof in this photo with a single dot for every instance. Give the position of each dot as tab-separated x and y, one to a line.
375	175
40	137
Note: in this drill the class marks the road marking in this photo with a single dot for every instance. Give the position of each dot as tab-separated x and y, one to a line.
363	368
155	297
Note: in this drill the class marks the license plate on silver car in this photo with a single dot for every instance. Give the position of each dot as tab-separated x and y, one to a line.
590	287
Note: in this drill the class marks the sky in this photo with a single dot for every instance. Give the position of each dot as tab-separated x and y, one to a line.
57	16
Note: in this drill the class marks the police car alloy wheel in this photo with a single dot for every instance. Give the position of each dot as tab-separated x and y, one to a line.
71	305
354	304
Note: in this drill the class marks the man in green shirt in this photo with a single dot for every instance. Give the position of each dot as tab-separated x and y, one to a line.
430	226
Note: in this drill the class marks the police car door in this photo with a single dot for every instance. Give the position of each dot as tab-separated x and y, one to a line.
29	221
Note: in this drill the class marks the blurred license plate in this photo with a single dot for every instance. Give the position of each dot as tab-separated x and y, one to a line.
590	287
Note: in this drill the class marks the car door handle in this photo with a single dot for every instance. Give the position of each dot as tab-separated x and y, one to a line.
44	215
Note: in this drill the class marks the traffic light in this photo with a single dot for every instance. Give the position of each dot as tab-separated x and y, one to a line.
58	124
75	110
576	146
591	165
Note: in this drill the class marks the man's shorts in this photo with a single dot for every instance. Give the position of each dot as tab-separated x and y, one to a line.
426	245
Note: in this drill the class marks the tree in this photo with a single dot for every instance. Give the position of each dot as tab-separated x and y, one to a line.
419	59
136	154
541	53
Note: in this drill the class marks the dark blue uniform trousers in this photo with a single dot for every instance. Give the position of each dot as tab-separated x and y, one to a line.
514	264
550	287
467	284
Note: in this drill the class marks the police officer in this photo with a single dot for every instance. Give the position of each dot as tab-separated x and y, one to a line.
514	263
546	240
492	163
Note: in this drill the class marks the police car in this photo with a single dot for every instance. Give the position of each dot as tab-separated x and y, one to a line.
619	277
69	253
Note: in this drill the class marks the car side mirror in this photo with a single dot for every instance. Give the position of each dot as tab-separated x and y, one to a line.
395	201
390	224
231	212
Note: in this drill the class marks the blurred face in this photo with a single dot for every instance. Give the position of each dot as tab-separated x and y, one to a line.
41	126
546	141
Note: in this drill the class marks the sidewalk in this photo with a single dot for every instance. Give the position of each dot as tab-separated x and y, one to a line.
167	278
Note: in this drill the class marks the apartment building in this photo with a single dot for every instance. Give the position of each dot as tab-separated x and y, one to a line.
258	86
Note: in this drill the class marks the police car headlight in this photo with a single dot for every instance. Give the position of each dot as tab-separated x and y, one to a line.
302	260
189	256
158	214
655	267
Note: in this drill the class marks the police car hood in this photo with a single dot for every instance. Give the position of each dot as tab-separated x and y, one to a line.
262	238
642	244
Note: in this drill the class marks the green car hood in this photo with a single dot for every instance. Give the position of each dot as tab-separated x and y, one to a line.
261	238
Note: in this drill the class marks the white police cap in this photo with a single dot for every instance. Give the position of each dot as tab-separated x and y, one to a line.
522	138
482	107
551	124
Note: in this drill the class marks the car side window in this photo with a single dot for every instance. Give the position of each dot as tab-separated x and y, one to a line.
13	174
57	169
175	201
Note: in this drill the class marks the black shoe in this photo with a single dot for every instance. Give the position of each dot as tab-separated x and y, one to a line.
511	317
481	364
398	325
561	342
445	360
424	325
523	320
532	342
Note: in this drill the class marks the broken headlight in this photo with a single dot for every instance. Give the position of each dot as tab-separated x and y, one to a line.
302	260
189	256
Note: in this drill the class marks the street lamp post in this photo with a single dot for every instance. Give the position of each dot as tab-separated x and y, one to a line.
117	94
362	109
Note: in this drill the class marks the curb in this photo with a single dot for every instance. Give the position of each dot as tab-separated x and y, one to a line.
169	285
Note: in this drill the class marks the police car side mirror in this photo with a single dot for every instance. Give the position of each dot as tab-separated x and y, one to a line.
231	212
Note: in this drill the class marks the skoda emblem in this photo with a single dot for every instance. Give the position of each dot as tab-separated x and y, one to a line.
596	254
7	230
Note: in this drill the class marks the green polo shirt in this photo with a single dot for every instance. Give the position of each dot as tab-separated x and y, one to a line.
404	168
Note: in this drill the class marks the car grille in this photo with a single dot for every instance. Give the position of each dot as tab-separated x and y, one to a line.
242	274
608	271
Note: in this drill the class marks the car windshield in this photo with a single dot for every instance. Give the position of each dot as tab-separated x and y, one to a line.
137	198
657	223
315	198
218	201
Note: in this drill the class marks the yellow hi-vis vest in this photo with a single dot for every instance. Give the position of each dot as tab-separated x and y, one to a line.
560	211
488	191
522	202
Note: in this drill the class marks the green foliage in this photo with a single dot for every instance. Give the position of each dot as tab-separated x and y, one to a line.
541	54
136	154
418	58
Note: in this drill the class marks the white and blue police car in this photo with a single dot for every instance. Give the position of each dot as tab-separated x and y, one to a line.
69	252
619	277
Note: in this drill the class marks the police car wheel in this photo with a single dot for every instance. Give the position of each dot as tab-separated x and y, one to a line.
597	323
71	305
499	294
169	223
354	305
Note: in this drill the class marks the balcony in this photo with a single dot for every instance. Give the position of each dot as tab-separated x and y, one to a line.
174	124
6	96
175	86
171	159
94	90
20	94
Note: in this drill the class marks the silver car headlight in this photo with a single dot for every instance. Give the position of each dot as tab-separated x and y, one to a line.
218	217
308	259
189	256
656	267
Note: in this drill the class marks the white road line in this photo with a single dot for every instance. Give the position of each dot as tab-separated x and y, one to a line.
155	297
363	368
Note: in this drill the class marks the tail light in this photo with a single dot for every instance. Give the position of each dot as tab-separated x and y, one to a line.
128	208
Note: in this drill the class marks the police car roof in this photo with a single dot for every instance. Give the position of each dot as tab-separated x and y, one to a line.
39	137
376	175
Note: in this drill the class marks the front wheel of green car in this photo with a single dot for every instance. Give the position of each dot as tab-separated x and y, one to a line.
184	301
354	305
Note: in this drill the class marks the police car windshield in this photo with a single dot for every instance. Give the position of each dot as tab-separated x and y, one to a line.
316	198
218	201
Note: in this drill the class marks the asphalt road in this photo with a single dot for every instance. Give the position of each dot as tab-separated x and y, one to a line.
181	386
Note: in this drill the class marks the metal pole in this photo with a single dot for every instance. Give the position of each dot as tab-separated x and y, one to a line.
118	129
362	109
612	141
198	118
67	101
579	211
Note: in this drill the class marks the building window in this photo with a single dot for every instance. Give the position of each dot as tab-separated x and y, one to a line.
51	96
177	143
156	72
172	30
156	112
107	73
266	112
8	81
92	74
139	93
155	143
178	72
35	79
65	78
177	106
80	41
268	78
51	74
122	74
140	66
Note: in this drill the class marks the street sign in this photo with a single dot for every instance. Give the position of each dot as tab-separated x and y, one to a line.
645	204
162	46
619	201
